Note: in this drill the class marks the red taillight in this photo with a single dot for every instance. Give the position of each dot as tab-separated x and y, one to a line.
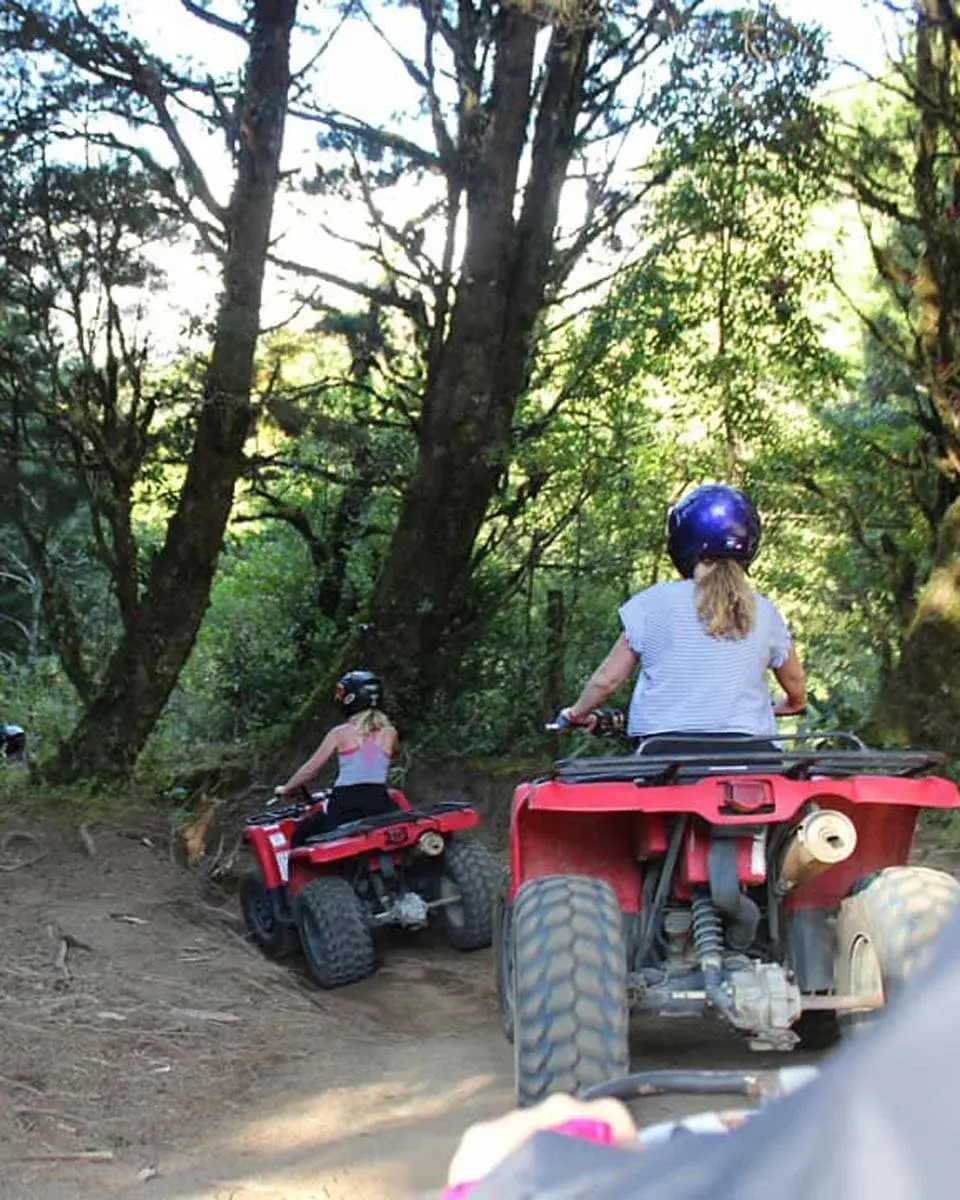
748	795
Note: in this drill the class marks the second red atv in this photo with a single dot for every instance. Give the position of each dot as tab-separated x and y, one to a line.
329	896
767	888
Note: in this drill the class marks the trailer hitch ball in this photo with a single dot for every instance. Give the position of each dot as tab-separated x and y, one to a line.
430	843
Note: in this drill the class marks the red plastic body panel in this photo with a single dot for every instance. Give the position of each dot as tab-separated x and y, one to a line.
577	843
307	862
706	797
652	837
607	829
695	854
271	843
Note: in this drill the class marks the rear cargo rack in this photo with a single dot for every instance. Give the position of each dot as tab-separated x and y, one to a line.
384	820
748	756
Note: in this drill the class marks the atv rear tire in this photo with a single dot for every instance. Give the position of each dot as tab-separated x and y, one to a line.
468	871
275	939
503	954
571	1018
337	941
887	930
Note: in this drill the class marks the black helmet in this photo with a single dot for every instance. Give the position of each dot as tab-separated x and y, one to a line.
713	521
357	691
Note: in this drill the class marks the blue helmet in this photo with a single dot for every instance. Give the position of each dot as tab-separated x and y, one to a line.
713	521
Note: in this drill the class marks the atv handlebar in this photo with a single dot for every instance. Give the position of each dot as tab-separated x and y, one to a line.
606	722
612	722
762	1086
759	1085
300	795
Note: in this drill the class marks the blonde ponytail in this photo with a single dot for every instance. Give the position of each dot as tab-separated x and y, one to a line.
725	601
371	720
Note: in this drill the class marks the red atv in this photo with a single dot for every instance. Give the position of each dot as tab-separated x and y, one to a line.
329	895
766	887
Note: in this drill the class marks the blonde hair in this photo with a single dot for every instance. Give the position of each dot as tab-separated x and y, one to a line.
725	601
371	720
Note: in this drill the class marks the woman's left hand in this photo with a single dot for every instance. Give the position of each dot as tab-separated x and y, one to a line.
485	1145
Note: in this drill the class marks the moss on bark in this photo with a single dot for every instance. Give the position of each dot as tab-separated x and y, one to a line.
920	704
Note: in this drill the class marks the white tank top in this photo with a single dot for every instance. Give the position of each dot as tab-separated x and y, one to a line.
368	763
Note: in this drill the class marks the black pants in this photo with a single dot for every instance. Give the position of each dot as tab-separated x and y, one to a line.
702	743
353	803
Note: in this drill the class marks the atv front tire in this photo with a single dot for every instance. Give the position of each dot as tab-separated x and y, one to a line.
887	930
571	1018
275	939
468	878
337	941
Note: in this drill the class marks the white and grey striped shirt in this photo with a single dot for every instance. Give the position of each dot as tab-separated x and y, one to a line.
690	682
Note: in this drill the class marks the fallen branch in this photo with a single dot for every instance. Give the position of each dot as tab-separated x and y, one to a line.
203	1014
85	1156
87	838
54	1115
60	958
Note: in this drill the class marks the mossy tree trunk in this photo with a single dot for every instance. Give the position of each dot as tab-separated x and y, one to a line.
920	699
920	704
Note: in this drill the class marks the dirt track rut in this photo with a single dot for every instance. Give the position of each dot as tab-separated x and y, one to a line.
210	1074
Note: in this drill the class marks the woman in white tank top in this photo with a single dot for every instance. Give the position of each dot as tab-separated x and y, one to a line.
364	745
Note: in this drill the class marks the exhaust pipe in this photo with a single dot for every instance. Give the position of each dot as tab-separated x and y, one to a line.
821	840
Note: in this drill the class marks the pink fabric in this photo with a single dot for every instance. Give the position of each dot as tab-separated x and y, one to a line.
598	1132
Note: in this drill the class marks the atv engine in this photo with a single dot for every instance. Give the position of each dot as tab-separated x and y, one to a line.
768	1003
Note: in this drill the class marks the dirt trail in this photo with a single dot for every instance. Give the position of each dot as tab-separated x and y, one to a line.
135	1020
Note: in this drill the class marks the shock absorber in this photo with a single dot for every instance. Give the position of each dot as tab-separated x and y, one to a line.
708	940
707	933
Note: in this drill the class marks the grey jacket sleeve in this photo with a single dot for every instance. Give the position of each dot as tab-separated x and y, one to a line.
882	1122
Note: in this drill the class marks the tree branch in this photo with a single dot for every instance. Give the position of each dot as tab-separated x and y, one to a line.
212	19
389	298
356	128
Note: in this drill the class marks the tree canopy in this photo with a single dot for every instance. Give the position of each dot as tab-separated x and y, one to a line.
294	378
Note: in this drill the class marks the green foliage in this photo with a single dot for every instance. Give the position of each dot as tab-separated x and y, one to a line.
261	645
705	355
40	699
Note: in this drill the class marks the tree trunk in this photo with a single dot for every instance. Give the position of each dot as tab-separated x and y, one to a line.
147	663
482	367
921	702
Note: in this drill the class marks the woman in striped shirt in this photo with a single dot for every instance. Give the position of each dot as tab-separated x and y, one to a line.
703	643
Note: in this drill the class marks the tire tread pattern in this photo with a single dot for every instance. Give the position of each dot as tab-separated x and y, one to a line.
571	1016
337	940
907	907
902	910
283	941
473	869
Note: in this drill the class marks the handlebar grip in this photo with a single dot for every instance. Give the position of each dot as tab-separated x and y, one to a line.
558	724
